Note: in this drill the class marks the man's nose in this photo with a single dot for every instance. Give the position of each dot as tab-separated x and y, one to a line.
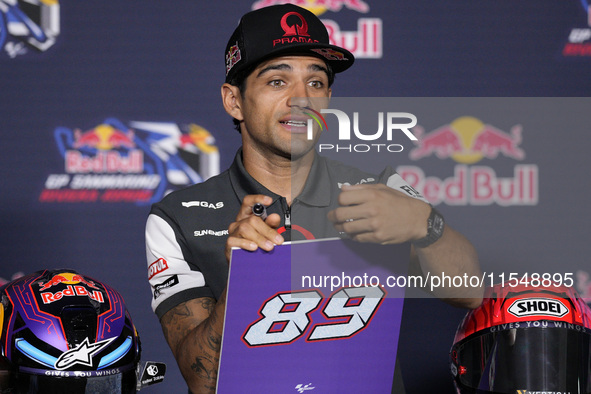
299	96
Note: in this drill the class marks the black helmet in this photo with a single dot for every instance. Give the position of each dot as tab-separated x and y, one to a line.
63	332
523	340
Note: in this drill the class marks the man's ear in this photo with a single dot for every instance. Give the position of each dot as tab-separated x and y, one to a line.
232	101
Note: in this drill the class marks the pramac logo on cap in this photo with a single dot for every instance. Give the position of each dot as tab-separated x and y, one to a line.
299	30
294	32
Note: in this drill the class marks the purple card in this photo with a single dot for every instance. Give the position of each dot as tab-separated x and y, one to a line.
284	339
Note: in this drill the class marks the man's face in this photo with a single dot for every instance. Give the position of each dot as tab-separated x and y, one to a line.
274	101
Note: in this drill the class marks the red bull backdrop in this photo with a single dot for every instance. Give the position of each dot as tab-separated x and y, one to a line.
105	107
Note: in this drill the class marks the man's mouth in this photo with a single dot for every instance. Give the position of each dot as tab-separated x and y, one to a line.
294	123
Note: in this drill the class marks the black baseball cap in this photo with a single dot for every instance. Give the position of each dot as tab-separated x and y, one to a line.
281	30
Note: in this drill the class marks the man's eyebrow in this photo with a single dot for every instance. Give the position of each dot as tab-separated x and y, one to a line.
286	67
279	66
318	67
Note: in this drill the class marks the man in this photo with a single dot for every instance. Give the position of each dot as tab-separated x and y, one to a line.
278	63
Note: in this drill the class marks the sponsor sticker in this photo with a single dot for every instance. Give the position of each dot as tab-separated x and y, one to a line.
538	307
157	267
170	282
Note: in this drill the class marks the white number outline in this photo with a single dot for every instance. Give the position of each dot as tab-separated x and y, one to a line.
248	333
324	331
318	328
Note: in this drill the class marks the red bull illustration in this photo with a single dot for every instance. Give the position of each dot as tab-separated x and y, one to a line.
443	142
467	140
491	141
77	285
104	137
67	278
140	163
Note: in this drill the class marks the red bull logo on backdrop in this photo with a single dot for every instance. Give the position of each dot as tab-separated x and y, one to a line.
467	140
140	162
364	43
30	24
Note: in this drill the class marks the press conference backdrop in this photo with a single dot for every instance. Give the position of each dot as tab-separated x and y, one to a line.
105	106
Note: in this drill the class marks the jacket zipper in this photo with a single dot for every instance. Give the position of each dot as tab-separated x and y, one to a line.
286	213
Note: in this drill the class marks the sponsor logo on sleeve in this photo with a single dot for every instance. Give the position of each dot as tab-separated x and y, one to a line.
157	267
203	204
168	283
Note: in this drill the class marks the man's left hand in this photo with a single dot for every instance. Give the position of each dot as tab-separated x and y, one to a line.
380	214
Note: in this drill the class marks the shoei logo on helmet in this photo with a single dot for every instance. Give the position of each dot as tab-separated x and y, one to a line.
82	354
538	307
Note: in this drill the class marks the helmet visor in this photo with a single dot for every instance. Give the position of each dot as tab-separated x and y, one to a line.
549	358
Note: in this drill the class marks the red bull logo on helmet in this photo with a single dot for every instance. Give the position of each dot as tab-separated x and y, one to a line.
72	291
67	278
76	285
467	140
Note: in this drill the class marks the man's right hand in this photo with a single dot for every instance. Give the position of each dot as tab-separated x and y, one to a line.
251	232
